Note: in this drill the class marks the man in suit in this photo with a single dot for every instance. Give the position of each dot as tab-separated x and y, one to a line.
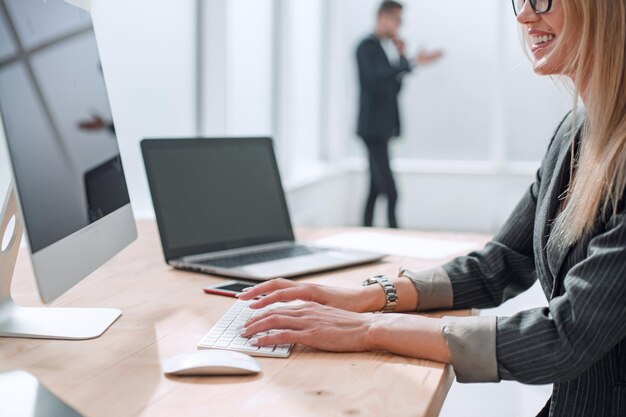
382	65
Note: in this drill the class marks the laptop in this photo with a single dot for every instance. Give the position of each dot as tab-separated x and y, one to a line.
221	209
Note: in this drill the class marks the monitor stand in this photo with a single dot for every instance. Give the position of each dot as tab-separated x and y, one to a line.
28	398
39	322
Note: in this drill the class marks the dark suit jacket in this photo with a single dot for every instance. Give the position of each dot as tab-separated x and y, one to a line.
380	84
577	343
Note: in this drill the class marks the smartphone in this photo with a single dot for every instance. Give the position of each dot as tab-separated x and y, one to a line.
228	288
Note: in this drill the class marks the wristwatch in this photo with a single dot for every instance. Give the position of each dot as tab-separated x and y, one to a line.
390	291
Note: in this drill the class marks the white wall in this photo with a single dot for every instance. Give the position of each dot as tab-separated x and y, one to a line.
475	125
148	56
481	102
238	67
262	67
299	104
335	198
314	99
309	47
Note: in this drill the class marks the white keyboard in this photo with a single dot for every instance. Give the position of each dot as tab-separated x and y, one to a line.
226	333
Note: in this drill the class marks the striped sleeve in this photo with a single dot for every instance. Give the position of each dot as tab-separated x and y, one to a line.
557	343
553	344
471	340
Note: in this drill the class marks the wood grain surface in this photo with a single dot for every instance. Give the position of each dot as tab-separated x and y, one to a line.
165	312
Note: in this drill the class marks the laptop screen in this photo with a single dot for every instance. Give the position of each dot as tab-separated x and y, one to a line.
215	194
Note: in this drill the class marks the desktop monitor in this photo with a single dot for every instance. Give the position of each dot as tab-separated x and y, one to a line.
69	184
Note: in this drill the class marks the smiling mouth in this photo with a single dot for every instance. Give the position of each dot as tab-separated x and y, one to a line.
539	41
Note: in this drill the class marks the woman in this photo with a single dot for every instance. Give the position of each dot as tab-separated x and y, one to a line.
568	231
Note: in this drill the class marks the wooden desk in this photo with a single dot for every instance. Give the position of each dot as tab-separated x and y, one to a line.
165	312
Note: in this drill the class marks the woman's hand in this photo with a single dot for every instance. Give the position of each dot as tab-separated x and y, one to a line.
314	325
357	299
335	330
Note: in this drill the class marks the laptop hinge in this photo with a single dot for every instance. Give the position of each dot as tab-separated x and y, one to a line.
238	251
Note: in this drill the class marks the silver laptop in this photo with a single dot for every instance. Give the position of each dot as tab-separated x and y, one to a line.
221	209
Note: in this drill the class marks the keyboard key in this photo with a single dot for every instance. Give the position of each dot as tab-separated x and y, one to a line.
239	341
282	348
260	256
226	334
249	348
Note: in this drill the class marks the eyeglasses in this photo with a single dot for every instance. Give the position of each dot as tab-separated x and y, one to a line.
538	6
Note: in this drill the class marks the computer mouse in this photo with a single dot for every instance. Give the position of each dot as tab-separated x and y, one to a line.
211	362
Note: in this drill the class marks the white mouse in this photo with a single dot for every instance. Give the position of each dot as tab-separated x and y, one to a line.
211	362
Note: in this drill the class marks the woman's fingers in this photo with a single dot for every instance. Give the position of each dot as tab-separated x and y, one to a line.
265	288
281	338
301	292
277	321
314	325
292	311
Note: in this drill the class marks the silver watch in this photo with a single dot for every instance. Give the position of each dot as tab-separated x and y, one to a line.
390	291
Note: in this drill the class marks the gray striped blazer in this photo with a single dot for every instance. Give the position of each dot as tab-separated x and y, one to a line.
578	342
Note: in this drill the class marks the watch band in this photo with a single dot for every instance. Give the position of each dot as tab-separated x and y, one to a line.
391	294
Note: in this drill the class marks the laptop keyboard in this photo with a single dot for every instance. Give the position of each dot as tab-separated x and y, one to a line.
235	261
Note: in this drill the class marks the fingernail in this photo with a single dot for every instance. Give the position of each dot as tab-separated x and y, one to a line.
238	295
246	289
254	341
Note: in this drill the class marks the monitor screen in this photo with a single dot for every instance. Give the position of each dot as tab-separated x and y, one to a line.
216	194
57	119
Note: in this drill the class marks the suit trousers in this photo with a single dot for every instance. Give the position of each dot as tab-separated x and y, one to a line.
381	181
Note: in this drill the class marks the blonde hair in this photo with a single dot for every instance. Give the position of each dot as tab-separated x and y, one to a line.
594	41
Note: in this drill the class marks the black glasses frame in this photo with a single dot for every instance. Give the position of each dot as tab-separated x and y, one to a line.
533	5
